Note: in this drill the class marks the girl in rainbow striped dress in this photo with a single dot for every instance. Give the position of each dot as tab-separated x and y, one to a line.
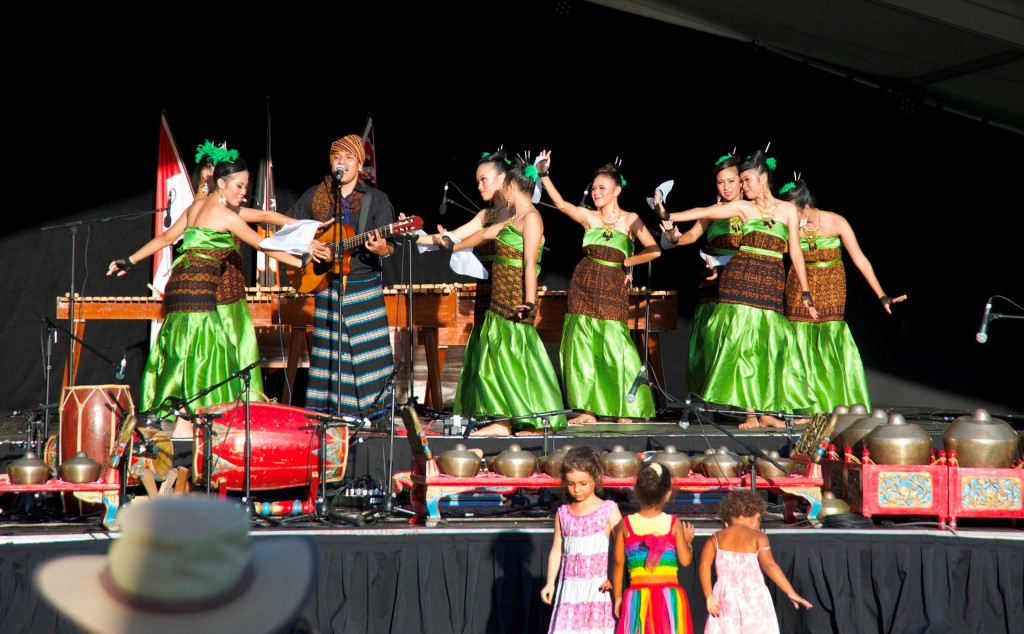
652	544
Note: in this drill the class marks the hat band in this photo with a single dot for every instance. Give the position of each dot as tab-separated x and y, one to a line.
175	606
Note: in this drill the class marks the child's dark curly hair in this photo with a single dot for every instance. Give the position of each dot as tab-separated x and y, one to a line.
587	460
741	503
653	481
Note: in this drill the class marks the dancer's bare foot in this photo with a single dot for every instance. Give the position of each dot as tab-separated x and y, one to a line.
182	429
624	420
801	421
494	429
750	423
528	432
586	418
771	421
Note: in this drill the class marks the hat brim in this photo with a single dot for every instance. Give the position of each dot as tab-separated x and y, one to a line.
282	582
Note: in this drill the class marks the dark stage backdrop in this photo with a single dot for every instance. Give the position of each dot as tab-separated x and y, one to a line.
489	580
927	192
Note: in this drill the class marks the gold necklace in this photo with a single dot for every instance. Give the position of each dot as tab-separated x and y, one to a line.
767	215
811	234
608	226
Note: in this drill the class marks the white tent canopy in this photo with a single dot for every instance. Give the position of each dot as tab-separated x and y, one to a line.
965	56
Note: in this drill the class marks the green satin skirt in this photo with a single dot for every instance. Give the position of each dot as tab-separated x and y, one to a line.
695	376
196	350
751	360
599	365
835	373
509	374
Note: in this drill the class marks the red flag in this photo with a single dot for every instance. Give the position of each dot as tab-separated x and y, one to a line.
172	180
370	147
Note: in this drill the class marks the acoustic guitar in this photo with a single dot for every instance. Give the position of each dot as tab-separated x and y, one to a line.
315	276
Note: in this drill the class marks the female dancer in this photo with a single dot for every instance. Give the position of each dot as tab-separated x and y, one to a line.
510	374
231	292
599	360
835	371
490	179
724	237
749	360
197	345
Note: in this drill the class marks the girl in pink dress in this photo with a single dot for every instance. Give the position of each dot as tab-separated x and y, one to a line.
654	545
740	601
580	549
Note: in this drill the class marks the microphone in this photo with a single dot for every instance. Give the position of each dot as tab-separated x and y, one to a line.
982	335
119	375
641	378
167	211
444	202
583	202
339	172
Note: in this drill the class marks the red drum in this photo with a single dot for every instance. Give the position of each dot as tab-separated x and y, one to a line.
88	424
285	447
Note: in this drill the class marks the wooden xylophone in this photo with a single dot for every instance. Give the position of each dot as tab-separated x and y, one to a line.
443	314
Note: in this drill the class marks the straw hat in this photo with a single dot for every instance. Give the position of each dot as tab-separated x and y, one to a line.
184	565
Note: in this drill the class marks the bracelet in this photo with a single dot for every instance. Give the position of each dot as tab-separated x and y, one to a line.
543	174
446	243
806	296
664	215
128	264
387	255
885	299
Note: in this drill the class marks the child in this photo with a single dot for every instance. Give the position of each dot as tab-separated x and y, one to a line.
580	549
741	601
654	544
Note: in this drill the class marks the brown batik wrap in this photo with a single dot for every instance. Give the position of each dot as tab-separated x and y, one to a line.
599	290
827	285
707	290
508	283
755	279
195	282
232	281
485	253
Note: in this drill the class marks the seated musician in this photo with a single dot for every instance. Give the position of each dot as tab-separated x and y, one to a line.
358	318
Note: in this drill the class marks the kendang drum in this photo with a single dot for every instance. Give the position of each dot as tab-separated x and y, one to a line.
285	447
89	417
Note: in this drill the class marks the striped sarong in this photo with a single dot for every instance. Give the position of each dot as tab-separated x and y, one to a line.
365	350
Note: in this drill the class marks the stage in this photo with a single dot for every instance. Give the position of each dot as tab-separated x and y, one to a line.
479	576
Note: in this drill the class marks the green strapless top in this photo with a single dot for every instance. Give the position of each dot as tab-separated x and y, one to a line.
824	242
619	240
512	237
778	228
203	238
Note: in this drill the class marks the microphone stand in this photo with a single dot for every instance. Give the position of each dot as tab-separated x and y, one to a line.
72	228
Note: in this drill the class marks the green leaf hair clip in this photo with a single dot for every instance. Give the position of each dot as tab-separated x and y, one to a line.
531	172
623	179
785	188
770	163
723	159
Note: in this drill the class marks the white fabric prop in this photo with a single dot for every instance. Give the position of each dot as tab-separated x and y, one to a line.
465	263
660	194
293	238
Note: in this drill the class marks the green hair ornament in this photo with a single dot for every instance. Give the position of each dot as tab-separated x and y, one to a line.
217	153
785	188
770	162
531	172
486	154
623	179
724	159
205	149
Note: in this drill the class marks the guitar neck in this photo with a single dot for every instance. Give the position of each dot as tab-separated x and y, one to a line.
355	242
